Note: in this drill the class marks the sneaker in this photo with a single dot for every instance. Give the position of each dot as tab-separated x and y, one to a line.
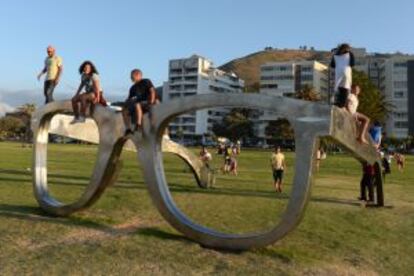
81	119
74	121
138	128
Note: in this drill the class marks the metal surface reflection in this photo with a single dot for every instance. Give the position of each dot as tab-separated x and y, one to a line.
105	128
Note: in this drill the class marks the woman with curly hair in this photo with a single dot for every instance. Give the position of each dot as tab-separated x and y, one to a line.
89	91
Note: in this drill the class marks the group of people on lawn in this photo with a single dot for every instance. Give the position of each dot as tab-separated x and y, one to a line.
142	95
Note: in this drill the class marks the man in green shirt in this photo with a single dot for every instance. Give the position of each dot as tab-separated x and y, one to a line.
53	70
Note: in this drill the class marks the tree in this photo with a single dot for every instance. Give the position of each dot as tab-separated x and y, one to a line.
308	93
235	125
252	88
11	127
180	134
279	129
27	111
372	102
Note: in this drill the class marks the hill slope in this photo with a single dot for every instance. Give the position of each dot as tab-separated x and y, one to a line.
248	67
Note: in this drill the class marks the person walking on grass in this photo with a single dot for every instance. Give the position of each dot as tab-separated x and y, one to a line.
142	96
400	160
227	153
367	183
343	60
53	69
361	120
205	156
278	165
88	93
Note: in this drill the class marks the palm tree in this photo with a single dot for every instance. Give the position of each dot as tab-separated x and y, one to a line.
26	112
371	101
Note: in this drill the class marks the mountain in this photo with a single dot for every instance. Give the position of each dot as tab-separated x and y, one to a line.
248	67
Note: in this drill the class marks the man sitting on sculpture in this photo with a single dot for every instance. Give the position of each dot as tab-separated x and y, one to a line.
141	96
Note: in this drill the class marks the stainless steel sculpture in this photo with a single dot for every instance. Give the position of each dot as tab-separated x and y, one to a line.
309	120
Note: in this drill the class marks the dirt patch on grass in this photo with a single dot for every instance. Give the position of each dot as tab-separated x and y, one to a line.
92	235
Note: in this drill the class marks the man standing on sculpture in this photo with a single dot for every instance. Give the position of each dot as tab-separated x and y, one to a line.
141	96
53	70
342	61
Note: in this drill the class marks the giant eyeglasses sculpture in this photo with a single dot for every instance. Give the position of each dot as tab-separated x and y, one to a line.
310	121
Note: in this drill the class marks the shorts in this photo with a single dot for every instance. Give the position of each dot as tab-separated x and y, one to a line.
341	97
277	175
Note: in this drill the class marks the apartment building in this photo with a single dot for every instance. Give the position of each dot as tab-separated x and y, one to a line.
391	74
285	78
396	78
194	76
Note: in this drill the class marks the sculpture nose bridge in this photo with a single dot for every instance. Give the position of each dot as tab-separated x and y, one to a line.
343	129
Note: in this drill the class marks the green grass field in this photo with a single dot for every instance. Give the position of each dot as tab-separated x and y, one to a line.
124	234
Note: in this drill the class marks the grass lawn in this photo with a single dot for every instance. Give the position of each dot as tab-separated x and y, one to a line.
124	234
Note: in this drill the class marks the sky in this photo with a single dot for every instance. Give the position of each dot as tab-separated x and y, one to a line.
120	35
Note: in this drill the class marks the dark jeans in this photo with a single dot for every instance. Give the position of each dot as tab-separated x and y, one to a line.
49	87
341	97
130	105
367	183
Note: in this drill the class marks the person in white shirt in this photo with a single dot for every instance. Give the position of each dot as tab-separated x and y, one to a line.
362	120
205	156
343	60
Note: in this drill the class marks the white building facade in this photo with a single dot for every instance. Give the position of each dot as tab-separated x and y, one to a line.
394	85
194	76
286	78
283	79
389	72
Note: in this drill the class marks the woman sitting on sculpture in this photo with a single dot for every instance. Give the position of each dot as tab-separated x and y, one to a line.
89	92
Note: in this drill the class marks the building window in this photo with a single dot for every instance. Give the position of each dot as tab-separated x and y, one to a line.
402	124
193	78
400	84
188	120
280	77
175	87
399	94
190	87
176	71
400	115
191	70
269	86
174	79
306	69
307	77
267	68
400	64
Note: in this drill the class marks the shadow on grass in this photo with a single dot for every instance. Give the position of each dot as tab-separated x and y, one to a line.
156	232
176	188
273	254
30	213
